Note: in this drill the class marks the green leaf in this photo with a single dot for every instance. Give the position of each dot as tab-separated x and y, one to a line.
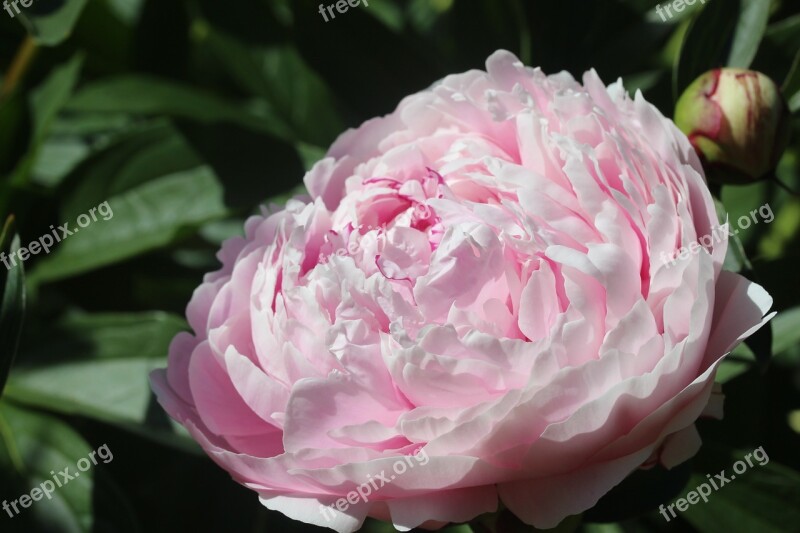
749	32
150	216
736	260
51	25
56	159
725	33
113	391
786	328
424	14
705	42
293	92
739	203
46	101
642	81
97	366
74	138
50	97
785	35
741	360
791	86
388	12
603	528
778	240
142	155
89	337
31	446
128	11
12	309
146	95
762	498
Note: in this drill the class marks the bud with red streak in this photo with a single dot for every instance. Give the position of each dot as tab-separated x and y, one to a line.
737	120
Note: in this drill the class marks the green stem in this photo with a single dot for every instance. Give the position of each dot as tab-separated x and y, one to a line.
19	67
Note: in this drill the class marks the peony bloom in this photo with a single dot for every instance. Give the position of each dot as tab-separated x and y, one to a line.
737	120
474	290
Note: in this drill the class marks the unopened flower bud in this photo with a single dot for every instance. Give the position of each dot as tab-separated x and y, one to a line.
737	120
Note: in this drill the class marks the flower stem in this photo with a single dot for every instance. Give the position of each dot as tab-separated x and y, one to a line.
19	67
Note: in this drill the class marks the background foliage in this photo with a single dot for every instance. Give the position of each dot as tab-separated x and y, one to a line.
186	115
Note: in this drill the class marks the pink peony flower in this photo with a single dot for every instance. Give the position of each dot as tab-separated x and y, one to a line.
476	281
